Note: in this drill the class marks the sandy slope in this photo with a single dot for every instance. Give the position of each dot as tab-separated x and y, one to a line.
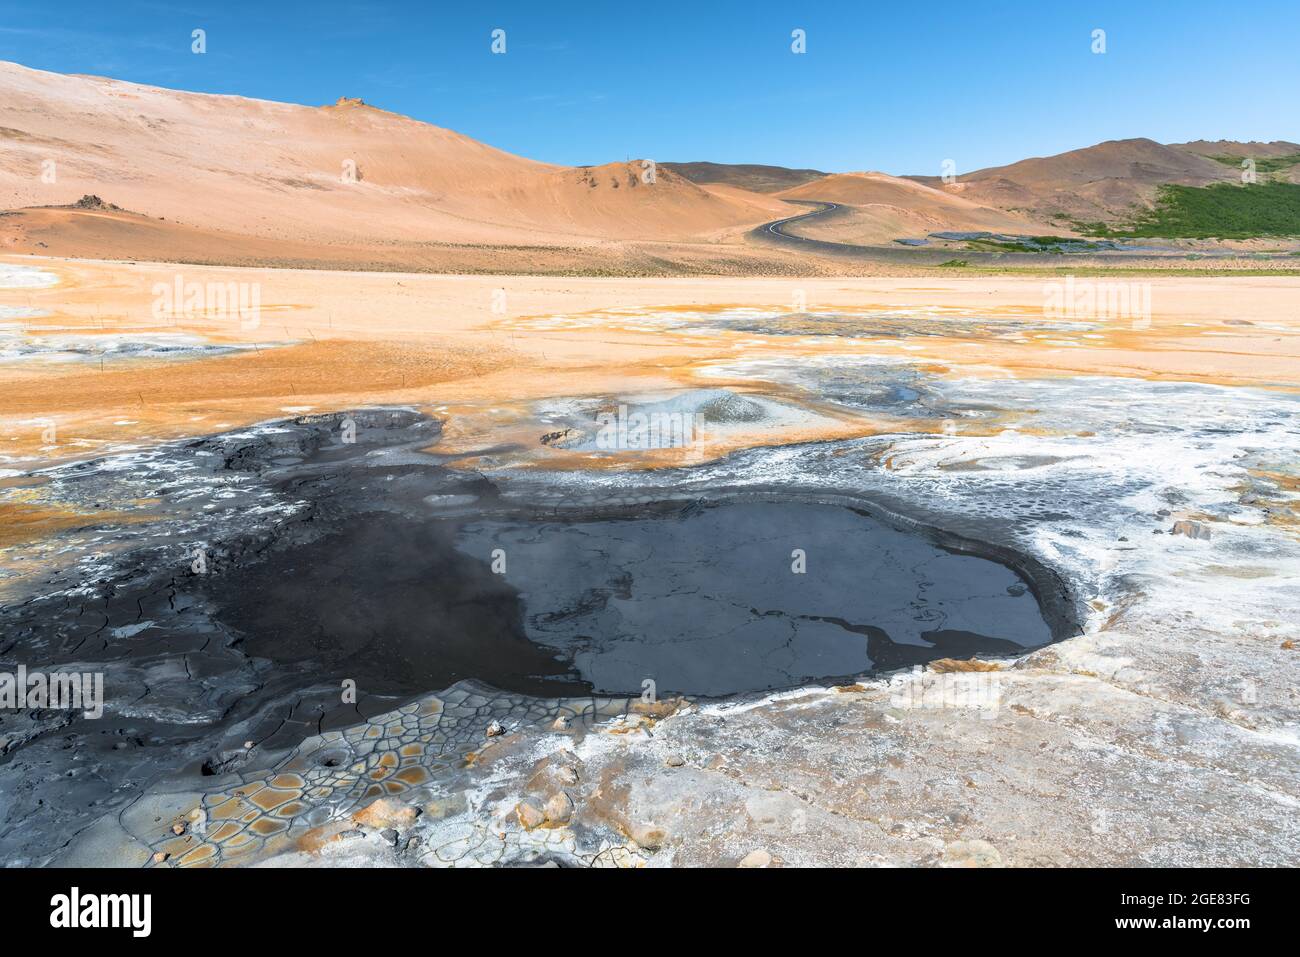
1097	182
749	176
284	172
884	208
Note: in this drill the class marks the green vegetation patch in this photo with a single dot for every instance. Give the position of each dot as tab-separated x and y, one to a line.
1033	244
1263	164
1218	211
1001	246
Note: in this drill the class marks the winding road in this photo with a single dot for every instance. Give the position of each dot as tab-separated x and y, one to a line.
776	233
777	227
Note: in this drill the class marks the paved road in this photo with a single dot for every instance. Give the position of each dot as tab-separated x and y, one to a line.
776	233
777	227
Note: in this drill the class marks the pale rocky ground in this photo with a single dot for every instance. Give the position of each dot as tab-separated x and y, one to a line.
1165	734
1084	761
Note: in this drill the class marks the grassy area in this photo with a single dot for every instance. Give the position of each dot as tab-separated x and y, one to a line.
1218	211
1100	272
1264	164
1001	246
1032	244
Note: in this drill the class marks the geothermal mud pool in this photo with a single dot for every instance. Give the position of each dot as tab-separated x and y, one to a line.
273	565
500	625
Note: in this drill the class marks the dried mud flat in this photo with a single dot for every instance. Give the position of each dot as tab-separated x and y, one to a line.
1164	733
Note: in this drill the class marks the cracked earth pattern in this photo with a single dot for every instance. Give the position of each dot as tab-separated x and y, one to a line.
330	776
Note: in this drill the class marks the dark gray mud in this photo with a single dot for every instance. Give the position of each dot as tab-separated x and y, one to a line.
700	599
390	604
284	564
735	596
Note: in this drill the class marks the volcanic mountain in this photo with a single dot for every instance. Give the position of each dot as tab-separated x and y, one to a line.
1102	182
346	173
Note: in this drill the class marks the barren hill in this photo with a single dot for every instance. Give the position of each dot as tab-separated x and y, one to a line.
760	179
339	174
1099	182
1253	148
1279	159
882	208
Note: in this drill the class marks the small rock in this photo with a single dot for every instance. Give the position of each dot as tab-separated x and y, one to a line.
971	854
559	809
674	760
758	858
950	665
656	709
647	836
530	815
248	745
161	856
178	829
386	812
449	806
560	769
389	835
1190	529
550	437
631	723
495	729
561	723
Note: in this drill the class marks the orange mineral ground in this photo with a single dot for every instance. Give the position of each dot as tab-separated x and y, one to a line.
480	349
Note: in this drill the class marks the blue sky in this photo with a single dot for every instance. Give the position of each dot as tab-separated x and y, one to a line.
893	86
